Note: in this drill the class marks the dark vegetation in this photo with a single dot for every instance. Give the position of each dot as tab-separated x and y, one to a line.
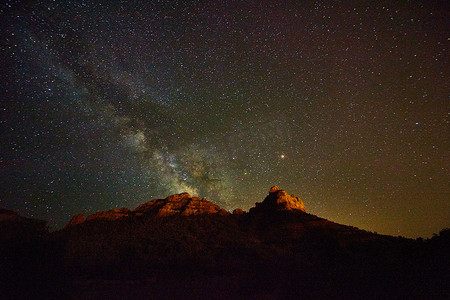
274	255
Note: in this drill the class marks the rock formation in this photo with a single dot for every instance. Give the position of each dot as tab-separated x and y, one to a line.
179	204
278	200
185	205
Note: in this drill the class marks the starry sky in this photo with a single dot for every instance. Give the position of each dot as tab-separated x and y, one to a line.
109	104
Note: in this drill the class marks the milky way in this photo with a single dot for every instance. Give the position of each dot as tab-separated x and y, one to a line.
113	104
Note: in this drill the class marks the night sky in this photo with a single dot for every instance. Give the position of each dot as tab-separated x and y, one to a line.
342	103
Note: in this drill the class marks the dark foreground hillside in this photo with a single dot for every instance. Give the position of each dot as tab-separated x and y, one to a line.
276	251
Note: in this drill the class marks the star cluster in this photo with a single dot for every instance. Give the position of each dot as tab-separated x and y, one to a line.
110	104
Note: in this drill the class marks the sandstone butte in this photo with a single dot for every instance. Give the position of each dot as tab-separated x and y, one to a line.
277	200
185	205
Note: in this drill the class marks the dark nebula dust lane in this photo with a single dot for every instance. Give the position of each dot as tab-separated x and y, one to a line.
109	105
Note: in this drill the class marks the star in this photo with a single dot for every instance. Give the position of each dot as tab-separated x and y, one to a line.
123	102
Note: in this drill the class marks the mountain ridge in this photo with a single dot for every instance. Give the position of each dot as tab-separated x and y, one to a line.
185	205
185	247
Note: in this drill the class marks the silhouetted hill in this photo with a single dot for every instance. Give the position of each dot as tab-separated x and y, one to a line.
17	228
26	261
189	248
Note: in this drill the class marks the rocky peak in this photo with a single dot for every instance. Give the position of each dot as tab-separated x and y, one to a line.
274	189
277	200
180	204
